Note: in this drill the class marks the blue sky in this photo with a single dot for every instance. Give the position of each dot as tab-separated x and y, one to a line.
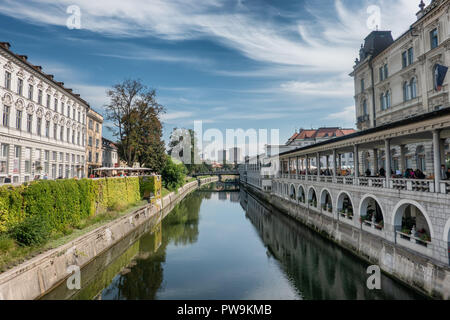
232	63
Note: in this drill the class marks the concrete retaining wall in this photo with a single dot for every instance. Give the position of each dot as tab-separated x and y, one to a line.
419	272
37	276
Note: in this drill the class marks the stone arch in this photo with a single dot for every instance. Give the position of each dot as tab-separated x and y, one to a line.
344	202
292	193
326	199
301	195
371	210
399	211
312	197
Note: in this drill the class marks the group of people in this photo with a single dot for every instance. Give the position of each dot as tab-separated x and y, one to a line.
408	174
445	173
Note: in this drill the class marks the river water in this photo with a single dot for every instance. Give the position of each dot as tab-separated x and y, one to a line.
227	245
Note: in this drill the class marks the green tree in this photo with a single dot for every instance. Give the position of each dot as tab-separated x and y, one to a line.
135	116
173	175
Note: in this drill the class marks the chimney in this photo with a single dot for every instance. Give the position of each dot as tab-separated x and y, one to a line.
50	76
24	58
5	45
38	68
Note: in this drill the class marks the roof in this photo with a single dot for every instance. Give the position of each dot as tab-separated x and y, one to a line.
5	46
320	133
421	117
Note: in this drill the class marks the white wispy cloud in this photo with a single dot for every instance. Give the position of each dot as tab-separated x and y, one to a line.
325	45
326	88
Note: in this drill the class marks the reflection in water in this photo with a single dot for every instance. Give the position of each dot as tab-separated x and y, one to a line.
205	248
318	268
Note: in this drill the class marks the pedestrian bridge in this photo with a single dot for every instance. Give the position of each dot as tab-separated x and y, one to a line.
217	173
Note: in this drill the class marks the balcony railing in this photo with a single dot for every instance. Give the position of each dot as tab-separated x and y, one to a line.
375	182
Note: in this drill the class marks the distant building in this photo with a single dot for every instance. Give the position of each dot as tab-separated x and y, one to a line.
222	156
312	136
110	154
94	145
235	155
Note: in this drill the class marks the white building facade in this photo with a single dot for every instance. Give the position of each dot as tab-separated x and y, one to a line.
395	80
42	129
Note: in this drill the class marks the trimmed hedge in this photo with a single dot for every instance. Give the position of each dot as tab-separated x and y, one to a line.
60	204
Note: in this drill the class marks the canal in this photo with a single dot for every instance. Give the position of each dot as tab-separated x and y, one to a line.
227	245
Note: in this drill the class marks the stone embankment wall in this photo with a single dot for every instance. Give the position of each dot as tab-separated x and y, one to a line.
37	276
419	272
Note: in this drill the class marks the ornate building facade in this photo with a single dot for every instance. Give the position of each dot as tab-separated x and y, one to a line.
42	130
395	80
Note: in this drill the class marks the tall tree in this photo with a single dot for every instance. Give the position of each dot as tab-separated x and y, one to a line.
135	116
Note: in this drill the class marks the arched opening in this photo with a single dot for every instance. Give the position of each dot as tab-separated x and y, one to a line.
292	193
411	224
326	202
312	198
371	213
301	195
345	206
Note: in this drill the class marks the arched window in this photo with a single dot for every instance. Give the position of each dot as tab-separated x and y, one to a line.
406	91
388	99
413	88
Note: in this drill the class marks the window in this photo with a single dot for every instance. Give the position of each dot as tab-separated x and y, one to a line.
28	160
381	74
18	120
385	71
413	86
404	59
54	155
388	99
6	116
17	155
364	108
91	124
20	87
74	111
78	138
39	126
40	97
79	116
97	142
410	56
90	156
406	91
61	134
73	136
68	111
68	135
96	157
4	155
83	141
382	102
47	129
8	80
48	101
30	92
62	107
67	157
29	122
434	38
90	142
55	131
97	126
46	155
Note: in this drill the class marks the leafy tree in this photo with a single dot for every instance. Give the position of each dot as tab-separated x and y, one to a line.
173	175
135	116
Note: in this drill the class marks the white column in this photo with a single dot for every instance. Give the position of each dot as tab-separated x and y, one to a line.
307	165
334	162
375	162
356	161
387	152
318	163
403	158
437	160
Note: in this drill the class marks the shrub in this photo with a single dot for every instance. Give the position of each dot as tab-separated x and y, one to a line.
31	232
173	175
